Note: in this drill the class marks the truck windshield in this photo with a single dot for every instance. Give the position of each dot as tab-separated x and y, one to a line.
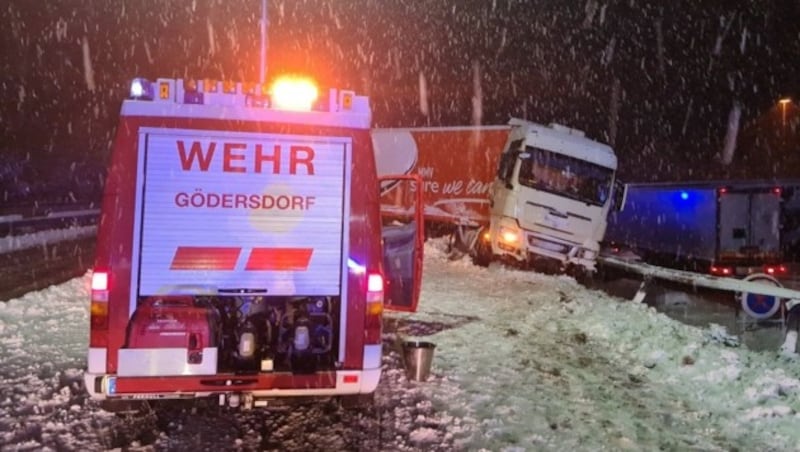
564	175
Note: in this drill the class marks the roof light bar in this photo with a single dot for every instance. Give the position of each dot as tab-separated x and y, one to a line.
293	93
141	89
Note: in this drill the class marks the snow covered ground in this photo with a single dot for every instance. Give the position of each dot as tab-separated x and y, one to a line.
523	361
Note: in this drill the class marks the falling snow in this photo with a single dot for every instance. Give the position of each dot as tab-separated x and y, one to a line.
730	137
681	92
87	65
673	73
423	95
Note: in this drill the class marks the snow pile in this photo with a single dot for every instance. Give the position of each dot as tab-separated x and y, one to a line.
523	361
549	365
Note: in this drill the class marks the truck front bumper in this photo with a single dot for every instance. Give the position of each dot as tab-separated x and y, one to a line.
565	252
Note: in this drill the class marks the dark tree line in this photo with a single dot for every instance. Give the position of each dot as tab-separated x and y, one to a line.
657	80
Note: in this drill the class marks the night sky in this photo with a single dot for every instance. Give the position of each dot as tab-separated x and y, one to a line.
658	80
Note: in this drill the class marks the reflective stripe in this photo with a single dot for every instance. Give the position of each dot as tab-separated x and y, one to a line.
97	360
372	357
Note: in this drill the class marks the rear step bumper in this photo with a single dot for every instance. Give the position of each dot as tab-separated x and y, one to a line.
263	385
273	384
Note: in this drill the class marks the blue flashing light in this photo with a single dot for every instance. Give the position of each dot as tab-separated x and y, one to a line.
684	195
142	89
192	97
356	267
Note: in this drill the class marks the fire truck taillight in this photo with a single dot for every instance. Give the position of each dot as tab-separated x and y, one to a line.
375	285
374	310
99	281
99	306
293	93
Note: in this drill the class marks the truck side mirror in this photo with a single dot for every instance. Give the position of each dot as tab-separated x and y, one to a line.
620	195
506	168
521	156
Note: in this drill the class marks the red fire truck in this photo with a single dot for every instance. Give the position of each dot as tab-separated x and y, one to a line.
241	251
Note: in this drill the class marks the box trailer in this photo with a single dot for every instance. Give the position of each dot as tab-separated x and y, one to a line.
730	228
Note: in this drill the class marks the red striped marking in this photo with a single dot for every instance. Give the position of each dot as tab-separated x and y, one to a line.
287	259
205	258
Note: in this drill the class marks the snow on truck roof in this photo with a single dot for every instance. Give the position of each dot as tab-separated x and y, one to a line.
209	99
555	137
568	141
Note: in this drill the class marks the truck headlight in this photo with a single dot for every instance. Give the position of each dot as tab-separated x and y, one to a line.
509	239
589	254
509	236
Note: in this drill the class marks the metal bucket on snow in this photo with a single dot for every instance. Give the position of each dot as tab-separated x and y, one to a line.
418	357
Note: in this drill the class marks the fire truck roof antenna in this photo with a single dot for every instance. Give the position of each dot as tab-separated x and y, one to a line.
263	65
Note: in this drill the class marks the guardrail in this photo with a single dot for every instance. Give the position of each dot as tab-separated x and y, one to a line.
18	224
38	251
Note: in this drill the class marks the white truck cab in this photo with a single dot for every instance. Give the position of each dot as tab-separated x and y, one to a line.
550	199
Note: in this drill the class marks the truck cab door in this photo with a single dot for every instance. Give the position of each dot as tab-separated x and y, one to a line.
403	237
503	183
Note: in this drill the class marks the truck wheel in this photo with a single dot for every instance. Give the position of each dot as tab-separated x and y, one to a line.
607	274
582	276
481	261
482	255
125	407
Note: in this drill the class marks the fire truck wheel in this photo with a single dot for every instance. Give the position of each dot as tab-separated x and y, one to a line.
357	401
124	407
